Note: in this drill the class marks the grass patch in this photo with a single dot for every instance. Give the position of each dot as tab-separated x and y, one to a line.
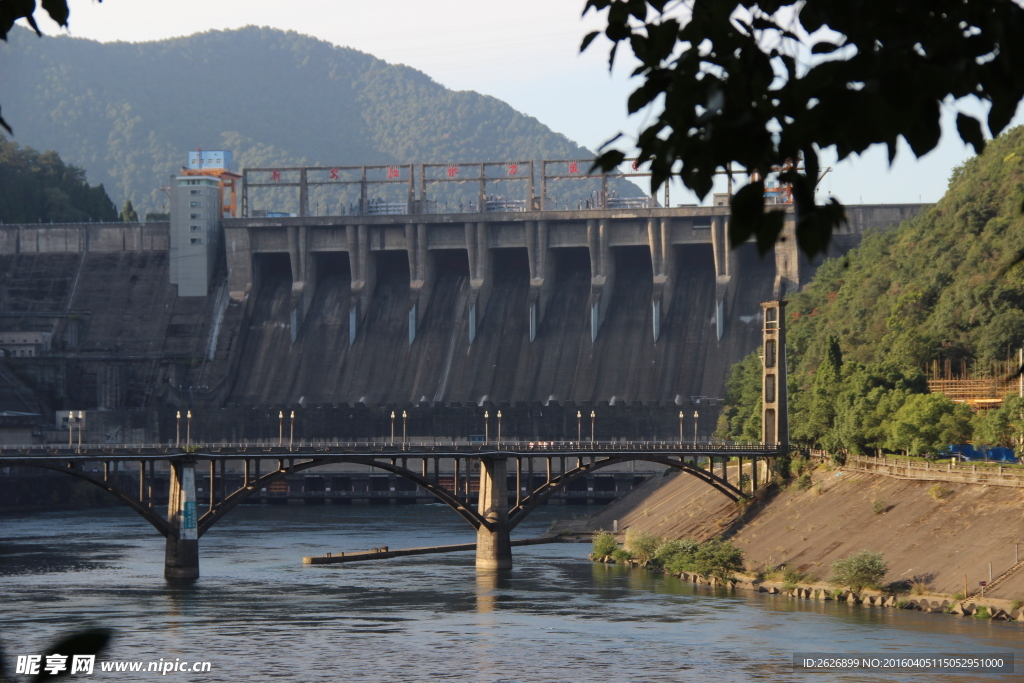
803	482
939	492
982	613
879	507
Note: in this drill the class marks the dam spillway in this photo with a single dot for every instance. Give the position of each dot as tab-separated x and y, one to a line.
623	364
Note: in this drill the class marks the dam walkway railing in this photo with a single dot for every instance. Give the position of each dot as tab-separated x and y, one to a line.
989	474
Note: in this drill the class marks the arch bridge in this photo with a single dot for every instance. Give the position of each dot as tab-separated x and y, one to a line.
495	515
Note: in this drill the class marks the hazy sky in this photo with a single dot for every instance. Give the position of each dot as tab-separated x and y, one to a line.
524	52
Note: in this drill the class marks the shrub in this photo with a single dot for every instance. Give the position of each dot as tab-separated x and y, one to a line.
604	544
792	577
718	558
902	603
920	588
860	570
982	613
1016	605
879	507
958	596
621	555
938	492
803	482
642	546
677	556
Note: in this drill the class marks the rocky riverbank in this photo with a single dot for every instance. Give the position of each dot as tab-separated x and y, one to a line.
980	608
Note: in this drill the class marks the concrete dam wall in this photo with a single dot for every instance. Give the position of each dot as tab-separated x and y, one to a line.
623	364
634	314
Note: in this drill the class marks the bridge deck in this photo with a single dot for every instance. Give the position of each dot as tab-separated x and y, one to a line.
380	449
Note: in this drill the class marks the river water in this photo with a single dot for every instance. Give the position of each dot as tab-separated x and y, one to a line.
259	614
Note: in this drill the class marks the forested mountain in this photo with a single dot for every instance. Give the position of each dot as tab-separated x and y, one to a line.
947	284
130	112
38	187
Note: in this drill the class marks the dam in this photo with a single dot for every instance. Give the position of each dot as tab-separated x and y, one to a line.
633	312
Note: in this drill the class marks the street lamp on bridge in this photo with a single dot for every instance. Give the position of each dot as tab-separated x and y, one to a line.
695	428
280	428
499	428
487	430
392	428
291	432
188	428
592	416
177	431
579	427
405	418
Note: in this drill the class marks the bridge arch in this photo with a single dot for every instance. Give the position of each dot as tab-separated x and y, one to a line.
147	513
217	512
539	496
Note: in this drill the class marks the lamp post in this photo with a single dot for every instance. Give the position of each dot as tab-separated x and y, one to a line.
680	428
291	432
188	428
487	431
405	418
280	428
392	428
71	425
81	415
579	428
695	428
177	431
499	428
592	416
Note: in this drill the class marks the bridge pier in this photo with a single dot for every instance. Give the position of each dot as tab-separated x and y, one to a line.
493	548
181	558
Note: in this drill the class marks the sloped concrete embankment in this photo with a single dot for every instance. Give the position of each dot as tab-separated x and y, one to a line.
936	540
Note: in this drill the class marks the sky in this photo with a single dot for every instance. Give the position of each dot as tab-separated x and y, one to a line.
524	52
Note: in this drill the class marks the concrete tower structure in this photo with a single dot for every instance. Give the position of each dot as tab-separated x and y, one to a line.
202	194
774	397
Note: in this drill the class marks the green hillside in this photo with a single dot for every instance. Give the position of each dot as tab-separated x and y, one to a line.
130	112
943	285
42	188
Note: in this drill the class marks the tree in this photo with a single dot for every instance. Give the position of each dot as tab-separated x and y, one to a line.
768	84
128	214
1000	426
927	423
860	570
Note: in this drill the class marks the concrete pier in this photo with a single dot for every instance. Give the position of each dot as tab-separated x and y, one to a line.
181	558
493	548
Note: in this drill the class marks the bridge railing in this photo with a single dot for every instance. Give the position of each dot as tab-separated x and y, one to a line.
398	446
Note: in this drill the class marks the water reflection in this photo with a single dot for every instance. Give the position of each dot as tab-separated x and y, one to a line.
487	586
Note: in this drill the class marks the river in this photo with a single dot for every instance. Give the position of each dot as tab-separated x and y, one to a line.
259	614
